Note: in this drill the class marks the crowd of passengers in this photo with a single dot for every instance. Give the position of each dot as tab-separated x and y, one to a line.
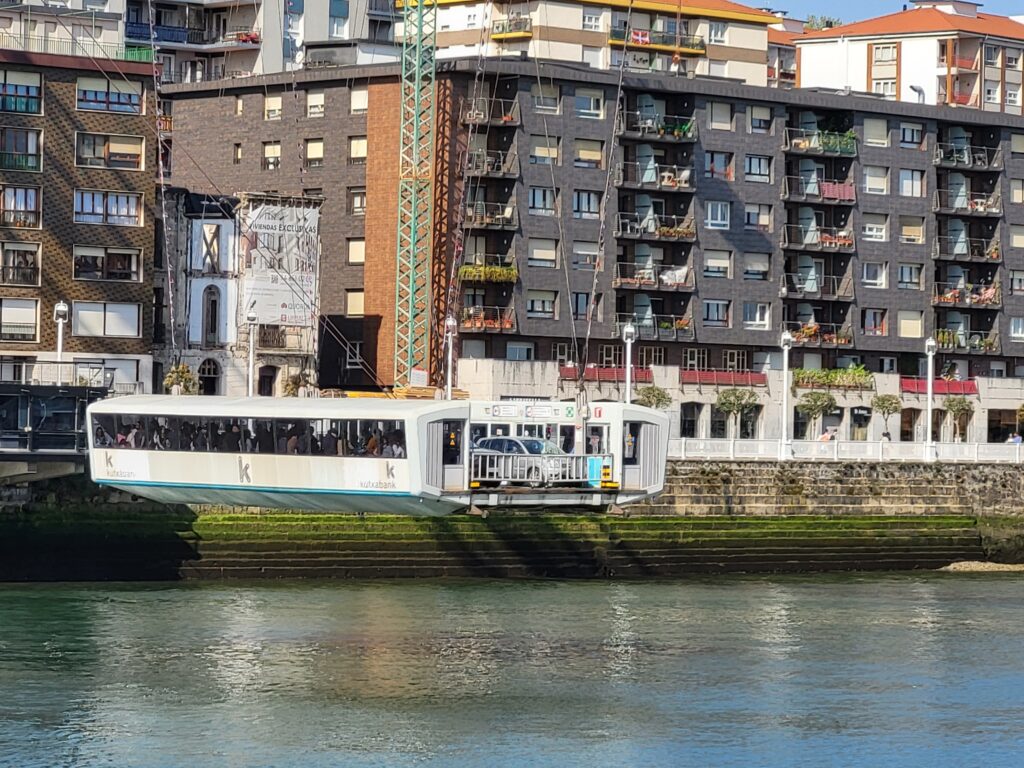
235	436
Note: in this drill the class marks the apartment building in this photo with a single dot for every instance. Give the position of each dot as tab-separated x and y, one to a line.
77	152
782	35
943	52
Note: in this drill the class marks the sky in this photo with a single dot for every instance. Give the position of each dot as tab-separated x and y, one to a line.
865	9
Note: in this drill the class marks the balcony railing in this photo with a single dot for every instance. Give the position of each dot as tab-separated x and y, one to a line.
165	123
653	277
960	98
967	156
812	141
813	334
658	327
512	29
381	8
724	378
817	238
645	38
17	331
966	295
654	126
961	201
815	189
10	275
649	226
20	219
913	385
959	340
68	47
488	268
488	319
654	176
482	110
816	286
966	249
20	161
134	30
960	62
491	162
605	373
491	215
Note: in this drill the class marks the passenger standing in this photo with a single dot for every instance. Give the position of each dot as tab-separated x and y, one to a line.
232	441
330	442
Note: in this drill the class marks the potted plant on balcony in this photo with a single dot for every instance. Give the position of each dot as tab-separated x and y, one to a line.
682	323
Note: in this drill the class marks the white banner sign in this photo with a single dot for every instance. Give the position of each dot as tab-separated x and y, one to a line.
280	250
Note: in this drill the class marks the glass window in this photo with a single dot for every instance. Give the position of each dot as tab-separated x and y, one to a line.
911	135
911	229
271	155
580	305
911	183
720	115
20	264
717	215
18	319
718	165
758	169
359	100
586	204
98	263
873	322
589	104
756	266
717	31
19	149
717	264
542	252
757	217
105	319
21	92
909	277
1017	328
357	201
757	316
592	21
97	94
116	208
875	227
760	119
546	98
542	201
1017	282
716	313
315	103
20	207
876	180
314	152
588	153
272	107
544	150
876	132
541	304
357	150
1017	191
584	254
873	274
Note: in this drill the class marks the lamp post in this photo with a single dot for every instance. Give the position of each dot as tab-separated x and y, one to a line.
930	347
60	316
628	336
786	344
253	319
449	339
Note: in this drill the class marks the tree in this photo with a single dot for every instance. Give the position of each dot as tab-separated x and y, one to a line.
886	406
181	376
1020	416
959	408
814	405
822	22
734	403
653	397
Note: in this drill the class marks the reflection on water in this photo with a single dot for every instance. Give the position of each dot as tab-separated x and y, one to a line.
853	670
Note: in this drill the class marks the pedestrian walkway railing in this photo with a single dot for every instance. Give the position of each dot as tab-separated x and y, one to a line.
720	449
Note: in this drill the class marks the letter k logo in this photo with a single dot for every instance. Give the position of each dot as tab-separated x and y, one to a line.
390	470
243	471
110	461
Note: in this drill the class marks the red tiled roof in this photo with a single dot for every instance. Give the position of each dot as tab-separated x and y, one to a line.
782	37
923	20
694	7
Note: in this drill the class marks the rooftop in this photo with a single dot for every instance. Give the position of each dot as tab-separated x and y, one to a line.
924	20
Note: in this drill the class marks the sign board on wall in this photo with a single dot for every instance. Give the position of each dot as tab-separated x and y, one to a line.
280	250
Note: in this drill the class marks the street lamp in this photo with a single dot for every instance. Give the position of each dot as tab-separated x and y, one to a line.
253	319
628	336
449	339
60	316
930	348
786	344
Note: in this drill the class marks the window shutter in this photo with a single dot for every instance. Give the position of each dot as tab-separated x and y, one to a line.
122	319
757	262
910	324
1017	142
125	145
123	87
718	260
1016	236
543	249
360	98
589	150
876	132
315	149
86	318
356	147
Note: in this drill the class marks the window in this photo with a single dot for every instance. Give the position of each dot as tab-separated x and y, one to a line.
716	313
336	27
359	100
884	88
876	132
757	217
211	315
271	107
559	352
546	98
908	277
716	32
610	356
873	322
542	201
717	215
760	119
757	316
720	115
97	94
592	56
354	303
1012	94
586	205
356	250
236	154
315	153
315	103
357	201
271	155
117	208
885	54
758	169
756	266
873	274
910	324
105	319
18	319
584	254
648	356
1017	143
591	21
542	252
357	150
1017	191
1012	58
238	105
1016	236
21	92
20	264
718	165
911	229
911	135
695	358
911	183
1016	282
875	227
991	56
588	153
589	104
876	180
541	304
19	149
20	207
1016	328
354	355
544	150
520	350
580	306
98	263
717	264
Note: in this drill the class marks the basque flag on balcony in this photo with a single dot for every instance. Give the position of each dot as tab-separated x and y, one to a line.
640	36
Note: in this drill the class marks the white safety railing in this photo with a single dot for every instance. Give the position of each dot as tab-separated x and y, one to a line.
843	450
535	470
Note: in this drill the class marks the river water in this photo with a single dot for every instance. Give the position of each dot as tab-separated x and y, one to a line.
909	670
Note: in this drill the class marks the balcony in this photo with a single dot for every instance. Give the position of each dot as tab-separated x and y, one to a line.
658	327
485	111
959	98
649	226
648	39
653	277
966	156
654	176
135	30
11	275
20	161
813	334
191	35
17	332
911	385
605	373
960	63
272	337
724	378
967	249
967	295
960	341
68	47
814	142
813	286
491	216
799	237
961	202
814	190
651	126
488	320
488	268
512	29
484	162
381	9
782	76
